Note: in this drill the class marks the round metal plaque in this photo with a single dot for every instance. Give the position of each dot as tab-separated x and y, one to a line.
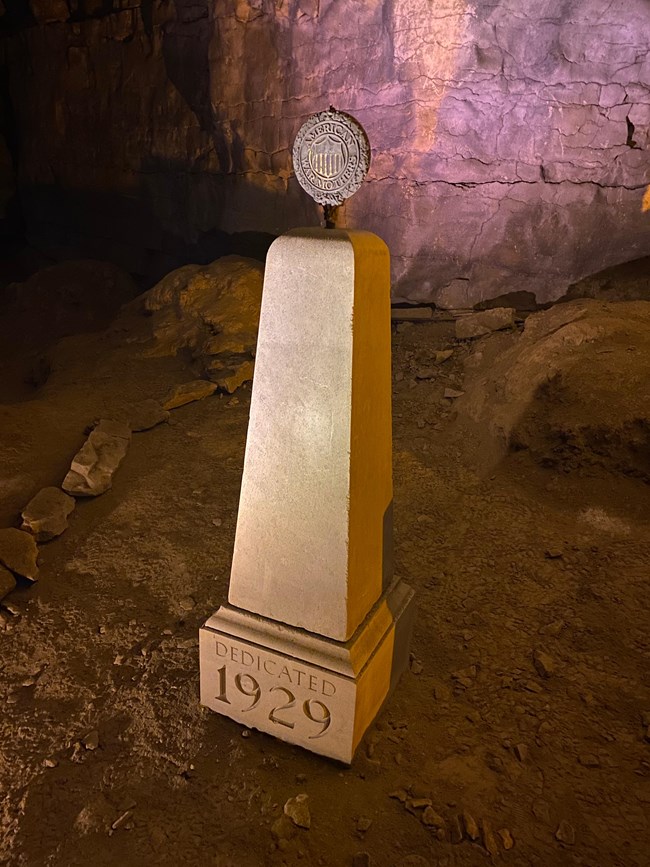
331	157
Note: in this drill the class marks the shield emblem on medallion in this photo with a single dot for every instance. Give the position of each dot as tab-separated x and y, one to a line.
326	156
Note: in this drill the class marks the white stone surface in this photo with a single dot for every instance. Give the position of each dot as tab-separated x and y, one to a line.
295	550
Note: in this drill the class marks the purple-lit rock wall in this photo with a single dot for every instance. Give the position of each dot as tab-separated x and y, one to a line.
510	139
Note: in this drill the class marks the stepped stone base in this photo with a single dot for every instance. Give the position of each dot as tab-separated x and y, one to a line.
300	687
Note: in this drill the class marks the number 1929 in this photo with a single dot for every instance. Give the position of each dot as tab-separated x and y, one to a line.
315	711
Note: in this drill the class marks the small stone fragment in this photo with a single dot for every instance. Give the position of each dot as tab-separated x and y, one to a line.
298	811
553	629
471	826
92	469
452	393
488	839
91	740
363	824
506	838
415	665
589	761
399	795
456	831
553	553
7	582
50	763
565	833
283	828
46	514
122	820
18	552
419	803
188	392
478	324
521	752
543	663
146	415
443	355
426	373
432	819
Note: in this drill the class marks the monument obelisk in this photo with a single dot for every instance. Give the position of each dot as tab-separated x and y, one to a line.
316	630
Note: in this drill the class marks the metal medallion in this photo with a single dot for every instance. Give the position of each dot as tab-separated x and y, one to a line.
331	157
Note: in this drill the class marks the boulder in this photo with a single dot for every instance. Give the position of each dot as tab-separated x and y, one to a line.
212	311
572	388
484	322
46	514
18	552
93	467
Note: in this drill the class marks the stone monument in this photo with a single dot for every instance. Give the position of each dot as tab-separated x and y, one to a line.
316	630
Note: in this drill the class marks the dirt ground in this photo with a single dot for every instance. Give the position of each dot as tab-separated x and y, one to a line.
515	561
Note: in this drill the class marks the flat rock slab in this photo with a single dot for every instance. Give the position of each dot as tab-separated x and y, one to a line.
93	467
46	514
18	552
485	322
7	582
189	391
148	414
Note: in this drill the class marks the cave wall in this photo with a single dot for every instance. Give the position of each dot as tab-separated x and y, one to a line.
510	139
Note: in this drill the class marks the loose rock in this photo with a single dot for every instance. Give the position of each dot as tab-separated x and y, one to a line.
506	838
93	467
229	379
589	761
471	826
283	828
543	663
488	839
478	324
91	740
188	392
7	582
46	514
456	832
18	552
521	752
143	416
298	811
452	393
565	833
363	824
432	819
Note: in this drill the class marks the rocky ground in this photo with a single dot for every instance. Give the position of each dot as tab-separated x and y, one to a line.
522	519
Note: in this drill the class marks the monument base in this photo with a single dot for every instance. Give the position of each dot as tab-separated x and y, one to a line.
301	687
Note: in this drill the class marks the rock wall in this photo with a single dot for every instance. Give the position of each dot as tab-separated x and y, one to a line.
510	139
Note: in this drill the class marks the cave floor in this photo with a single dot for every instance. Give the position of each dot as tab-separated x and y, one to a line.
106	640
